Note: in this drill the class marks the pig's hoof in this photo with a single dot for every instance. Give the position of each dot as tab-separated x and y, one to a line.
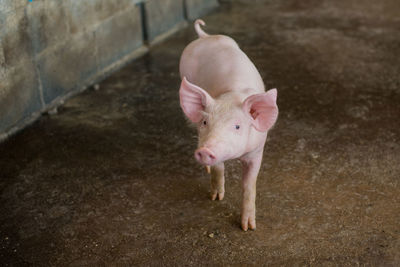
217	195
248	222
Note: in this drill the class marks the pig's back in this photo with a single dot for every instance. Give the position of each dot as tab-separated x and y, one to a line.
217	65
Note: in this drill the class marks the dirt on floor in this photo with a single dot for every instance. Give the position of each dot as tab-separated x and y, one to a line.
111	179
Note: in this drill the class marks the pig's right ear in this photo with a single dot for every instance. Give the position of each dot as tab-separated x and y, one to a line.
193	100
262	109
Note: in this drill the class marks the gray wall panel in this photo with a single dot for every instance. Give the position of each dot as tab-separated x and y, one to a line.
50	49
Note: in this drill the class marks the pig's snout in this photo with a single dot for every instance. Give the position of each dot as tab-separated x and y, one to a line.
205	156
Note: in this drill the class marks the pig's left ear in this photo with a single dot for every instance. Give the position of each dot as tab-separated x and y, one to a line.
262	109
193	100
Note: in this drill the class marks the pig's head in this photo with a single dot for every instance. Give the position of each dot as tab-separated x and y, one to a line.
227	126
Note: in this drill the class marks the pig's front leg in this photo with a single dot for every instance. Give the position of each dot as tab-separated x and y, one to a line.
217	181
251	166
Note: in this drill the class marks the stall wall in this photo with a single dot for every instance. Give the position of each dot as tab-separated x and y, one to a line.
50	50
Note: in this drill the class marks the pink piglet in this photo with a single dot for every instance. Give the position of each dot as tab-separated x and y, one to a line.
223	94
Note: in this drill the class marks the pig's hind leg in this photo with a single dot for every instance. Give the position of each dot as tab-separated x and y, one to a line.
217	181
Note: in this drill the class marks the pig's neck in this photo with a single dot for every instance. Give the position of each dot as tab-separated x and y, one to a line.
237	95
249	85
238	86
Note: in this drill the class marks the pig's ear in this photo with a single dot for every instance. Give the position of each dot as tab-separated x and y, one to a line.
262	109
193	100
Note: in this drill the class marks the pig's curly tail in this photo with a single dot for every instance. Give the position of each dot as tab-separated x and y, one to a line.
198	29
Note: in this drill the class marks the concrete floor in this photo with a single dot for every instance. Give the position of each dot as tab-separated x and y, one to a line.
111	179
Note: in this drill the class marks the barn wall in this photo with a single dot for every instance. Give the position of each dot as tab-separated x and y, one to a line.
50	50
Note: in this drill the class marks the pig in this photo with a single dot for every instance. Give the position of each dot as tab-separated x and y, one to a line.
223	95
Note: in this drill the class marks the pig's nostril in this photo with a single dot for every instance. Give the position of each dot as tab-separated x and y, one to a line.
199	154
211	156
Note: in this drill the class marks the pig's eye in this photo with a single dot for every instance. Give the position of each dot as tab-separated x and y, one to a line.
237	127
204	122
